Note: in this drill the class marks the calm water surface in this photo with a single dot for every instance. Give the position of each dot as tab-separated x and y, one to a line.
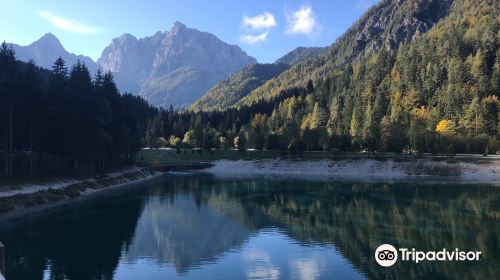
201	227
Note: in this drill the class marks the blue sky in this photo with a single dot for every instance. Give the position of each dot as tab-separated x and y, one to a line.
265	29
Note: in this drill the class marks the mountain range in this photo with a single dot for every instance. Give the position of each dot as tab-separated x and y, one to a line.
175	67
169	68
421	75
187	67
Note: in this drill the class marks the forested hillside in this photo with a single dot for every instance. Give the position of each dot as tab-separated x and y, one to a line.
230	90
437	92
235	87
63	120
384	26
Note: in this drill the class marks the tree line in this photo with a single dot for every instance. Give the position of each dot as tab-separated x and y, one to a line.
65	120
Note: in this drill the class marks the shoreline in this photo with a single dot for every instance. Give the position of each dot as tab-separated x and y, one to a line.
363	169
11	190
27	197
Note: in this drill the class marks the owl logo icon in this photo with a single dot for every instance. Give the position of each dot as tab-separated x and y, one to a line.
386	255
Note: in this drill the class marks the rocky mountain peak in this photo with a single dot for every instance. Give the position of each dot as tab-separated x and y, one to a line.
178	27
174	67
48	40
126	37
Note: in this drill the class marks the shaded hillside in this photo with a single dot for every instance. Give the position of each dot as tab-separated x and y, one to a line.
230	90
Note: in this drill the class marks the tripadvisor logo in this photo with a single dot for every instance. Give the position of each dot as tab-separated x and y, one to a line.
386	255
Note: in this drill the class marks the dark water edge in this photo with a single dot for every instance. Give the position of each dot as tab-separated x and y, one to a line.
201	227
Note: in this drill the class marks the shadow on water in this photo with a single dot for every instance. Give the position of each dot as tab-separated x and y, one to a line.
82	240
188	223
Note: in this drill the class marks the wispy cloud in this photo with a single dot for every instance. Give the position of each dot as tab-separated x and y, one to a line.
259	22
254	39
69	25
364	4
301	21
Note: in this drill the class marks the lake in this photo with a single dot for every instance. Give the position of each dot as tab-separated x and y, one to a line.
204	227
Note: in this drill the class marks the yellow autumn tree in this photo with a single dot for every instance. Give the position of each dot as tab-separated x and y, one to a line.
445	127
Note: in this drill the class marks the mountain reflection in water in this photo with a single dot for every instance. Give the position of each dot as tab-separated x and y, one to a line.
201	227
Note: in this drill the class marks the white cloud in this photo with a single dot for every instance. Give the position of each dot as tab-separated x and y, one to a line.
259	265
301	21
254	39
306	269
259	22
69	25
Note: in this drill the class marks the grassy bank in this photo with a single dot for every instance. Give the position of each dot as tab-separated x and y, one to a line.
155	157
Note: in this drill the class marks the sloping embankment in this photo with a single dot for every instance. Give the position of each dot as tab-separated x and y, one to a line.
33	195
481	171
19	197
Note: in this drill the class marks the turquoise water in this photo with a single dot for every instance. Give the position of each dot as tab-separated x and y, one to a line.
201	227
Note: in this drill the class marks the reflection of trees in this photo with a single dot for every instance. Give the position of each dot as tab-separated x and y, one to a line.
356	218
80	241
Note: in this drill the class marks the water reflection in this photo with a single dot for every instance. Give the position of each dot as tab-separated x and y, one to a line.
180	232
199	227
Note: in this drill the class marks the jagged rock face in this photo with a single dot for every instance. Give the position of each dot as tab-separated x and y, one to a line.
299	54
47	49
130	60
174	67
398	21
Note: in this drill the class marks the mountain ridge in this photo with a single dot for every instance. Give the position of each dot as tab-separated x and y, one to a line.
229	91
47	49
300	53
